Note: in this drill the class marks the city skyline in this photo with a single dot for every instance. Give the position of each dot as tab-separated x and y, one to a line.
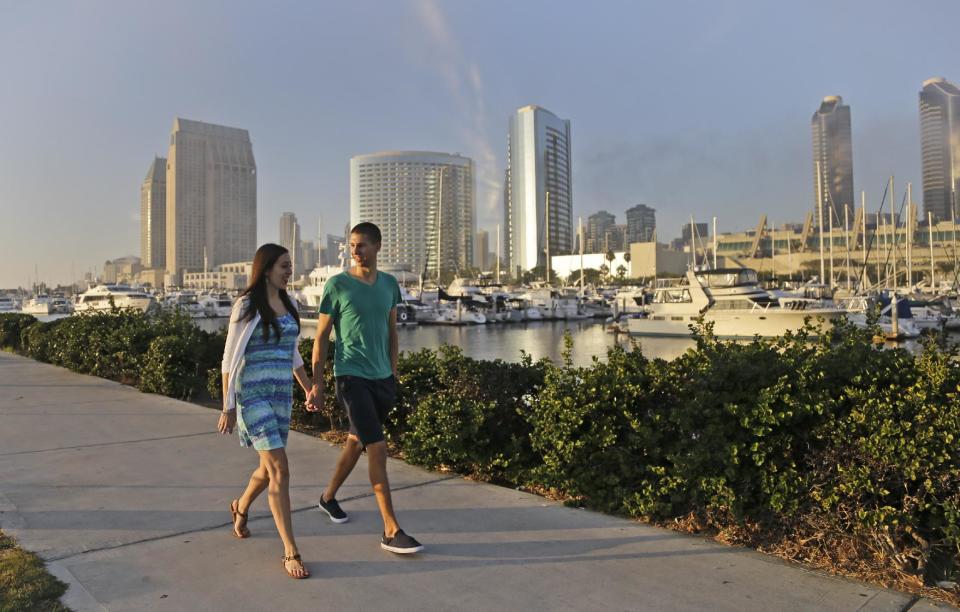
455	73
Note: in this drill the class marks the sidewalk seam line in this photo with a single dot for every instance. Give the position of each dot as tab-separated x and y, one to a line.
222	525
50	450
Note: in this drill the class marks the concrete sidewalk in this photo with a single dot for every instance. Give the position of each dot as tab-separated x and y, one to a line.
126	495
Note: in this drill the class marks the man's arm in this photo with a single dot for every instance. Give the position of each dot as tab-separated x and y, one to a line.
394	341
320	345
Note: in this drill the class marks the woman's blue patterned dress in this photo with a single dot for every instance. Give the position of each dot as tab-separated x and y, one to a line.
265	386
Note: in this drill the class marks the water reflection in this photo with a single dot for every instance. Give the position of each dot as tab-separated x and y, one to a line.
538	339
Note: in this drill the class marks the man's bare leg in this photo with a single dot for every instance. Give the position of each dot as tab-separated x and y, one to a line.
377	460
345	464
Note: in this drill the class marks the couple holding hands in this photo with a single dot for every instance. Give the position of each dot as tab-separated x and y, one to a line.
261	351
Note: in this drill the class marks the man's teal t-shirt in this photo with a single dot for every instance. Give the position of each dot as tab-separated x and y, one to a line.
361	314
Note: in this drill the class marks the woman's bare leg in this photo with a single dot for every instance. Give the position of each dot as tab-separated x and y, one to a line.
259	481
278	494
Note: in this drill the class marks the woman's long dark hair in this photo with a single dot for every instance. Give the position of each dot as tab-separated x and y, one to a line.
263	262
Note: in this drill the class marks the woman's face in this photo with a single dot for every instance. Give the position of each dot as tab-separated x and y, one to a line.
280	273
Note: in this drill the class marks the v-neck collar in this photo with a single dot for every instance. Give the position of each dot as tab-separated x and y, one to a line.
363	282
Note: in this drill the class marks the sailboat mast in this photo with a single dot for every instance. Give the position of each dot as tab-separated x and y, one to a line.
909	238
439	223
863	207
293	255
830	225
823	271
546	214
580	240
714	243
773	250
930	230
893	242
846	239
498	253
693	244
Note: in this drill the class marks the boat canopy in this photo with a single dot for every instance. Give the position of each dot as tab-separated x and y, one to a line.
729	277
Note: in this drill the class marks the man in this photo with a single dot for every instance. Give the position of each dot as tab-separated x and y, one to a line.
361	305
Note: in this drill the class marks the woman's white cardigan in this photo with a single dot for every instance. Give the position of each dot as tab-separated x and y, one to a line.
238	335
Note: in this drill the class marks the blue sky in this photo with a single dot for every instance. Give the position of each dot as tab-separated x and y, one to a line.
692	107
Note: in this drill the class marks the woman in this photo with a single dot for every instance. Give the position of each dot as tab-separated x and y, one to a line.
260	352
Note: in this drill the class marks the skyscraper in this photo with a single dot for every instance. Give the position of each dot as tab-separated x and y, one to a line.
211	196
153	215
400	191
641	224
290	239
481	249
598	224
940	147
538	162
833	149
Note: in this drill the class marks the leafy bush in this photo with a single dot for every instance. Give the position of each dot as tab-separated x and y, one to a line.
170	367
11	327
466	414
121	345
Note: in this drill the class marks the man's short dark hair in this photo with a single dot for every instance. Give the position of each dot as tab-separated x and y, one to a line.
369	230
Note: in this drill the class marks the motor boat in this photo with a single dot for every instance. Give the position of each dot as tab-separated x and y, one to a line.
107	297
186	302
216	305
8	304
731	299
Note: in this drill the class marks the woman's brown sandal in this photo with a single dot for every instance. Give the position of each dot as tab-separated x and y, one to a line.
240	531
296	558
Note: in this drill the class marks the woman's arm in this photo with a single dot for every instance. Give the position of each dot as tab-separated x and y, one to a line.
301	375
229	348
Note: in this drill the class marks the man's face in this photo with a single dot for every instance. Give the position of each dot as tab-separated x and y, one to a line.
362	250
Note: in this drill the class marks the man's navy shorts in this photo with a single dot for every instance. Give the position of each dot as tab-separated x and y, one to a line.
367	403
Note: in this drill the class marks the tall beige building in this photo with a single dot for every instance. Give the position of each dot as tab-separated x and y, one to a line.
211	197
153	215
290	239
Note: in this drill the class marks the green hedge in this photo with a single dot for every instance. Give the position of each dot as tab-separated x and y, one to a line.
846	450
165	353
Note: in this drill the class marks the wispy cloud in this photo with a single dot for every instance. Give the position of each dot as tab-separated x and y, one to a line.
464	82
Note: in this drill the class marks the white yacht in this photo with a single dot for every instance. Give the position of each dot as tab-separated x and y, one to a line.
105	297
216	305
554	305
8	304
732	300
186	302
47	305
37	305
311	293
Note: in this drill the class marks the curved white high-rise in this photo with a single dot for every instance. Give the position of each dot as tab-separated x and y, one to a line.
538	162
940	147
399	191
